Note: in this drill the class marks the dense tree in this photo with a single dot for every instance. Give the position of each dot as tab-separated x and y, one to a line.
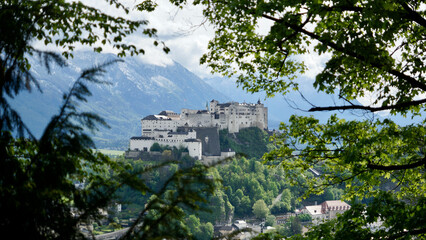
155	148
51	185
270	220
205	232
305	217
292	227
375	47
252	142
260	210
246	182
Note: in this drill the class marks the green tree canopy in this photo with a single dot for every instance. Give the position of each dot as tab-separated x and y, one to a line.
260	210
375	47
270	220
292	227
52	185
155	148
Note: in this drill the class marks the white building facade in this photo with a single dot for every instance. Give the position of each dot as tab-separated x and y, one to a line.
164	127
194	146
232	116
326	210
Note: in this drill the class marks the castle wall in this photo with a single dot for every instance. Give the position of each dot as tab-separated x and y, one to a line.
235	116
148	125
144	144
140	144
214	159
197	119
232	116
195	149
162	128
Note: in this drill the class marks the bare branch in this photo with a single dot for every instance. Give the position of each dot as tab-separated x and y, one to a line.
368	108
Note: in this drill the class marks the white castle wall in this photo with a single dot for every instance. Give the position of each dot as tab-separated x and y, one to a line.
232	116
148	126
193	119
140	144
194	147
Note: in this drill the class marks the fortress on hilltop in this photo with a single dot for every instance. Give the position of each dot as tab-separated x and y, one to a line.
198	130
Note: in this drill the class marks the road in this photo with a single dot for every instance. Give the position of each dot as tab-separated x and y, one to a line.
277	199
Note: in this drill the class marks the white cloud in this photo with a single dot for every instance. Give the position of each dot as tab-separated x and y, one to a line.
182	30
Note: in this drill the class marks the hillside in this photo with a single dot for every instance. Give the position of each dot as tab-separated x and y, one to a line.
251	142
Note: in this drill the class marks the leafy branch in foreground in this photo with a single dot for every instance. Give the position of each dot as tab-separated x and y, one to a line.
163	215
369	154
375	48
384	216
58	23
39	196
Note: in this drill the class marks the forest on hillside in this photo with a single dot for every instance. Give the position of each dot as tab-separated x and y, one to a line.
368	56
243	183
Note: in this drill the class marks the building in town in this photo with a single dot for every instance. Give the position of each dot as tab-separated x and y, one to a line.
326	210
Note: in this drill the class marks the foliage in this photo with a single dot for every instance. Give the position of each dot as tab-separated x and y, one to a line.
260	210
286	198
153	178
374	47
251	142
52	185
39	193
280	208
204	232
292	227
155	148
270	220
268	236
305	217
246	181
382	152
164	213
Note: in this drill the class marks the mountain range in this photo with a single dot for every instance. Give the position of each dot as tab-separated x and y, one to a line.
137	89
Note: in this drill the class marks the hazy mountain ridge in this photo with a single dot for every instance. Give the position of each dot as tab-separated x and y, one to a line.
135	90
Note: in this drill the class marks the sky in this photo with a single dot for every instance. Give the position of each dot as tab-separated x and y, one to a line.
186	32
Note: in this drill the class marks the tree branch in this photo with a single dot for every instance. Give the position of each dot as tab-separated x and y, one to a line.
397	167
344	8
371	109
411	232
413	15
412	81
